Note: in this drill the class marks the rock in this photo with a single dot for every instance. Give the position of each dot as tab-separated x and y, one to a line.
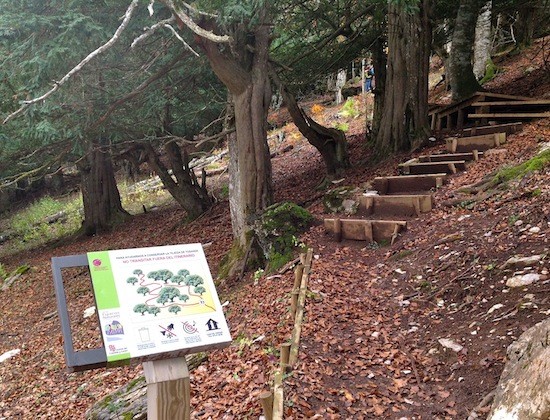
9	354
520	262
522	391
333	200
523	280
534	229
88	312
518	223
450	344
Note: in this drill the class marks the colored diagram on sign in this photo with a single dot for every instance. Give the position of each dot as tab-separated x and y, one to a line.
163	292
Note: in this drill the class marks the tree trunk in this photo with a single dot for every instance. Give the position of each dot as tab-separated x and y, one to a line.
404	123
330	142
463	81
483	41
185	188
525	24
245	72
379	61
100	195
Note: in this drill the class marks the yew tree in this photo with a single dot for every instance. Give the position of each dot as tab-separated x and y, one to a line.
404	121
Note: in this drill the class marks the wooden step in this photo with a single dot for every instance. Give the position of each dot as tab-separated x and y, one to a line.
449	157
530	102
511	115
480	143
419	168
509	128
365	230
403	184
396	205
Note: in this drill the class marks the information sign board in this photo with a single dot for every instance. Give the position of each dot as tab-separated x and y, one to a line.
158	300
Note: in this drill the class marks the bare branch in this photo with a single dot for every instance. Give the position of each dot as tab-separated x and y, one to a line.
192	9
79	66
149	31
187	21
181	40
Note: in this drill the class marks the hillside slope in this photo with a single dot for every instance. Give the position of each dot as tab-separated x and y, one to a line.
374	315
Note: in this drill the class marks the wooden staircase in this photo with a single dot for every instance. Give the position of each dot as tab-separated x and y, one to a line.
410	194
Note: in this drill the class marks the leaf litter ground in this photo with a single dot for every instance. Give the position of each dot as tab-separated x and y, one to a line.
374	315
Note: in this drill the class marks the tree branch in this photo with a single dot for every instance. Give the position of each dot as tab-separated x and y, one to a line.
149	31
190	23
79	66
181	40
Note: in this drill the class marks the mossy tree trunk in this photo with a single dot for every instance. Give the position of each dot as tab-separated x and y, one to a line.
244	70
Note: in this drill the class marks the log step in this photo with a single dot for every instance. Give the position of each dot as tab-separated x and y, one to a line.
365	230
509	128
448	157
469	144
450	167
403	184
396	205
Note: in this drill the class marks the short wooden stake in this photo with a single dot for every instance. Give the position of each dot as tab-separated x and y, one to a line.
295	343
475	154
294	303
285	354
278	397
168	389
266	398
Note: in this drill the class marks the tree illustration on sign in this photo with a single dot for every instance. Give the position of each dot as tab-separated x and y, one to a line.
143	290
141	308
132	280
168	294
161	275
154	310
182	286
174	309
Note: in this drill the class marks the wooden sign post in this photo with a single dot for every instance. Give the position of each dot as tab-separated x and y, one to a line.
168	389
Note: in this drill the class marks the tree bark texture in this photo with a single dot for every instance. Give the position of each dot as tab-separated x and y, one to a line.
100	195
404	123
463	81
483	41
330	142
525	23
379	61
182	184
244	71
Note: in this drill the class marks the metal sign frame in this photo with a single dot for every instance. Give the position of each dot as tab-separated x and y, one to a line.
76	360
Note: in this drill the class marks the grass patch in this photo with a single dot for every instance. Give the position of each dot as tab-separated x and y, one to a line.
134	198
30	227
536	163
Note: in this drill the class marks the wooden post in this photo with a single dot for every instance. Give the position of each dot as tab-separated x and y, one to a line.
475	154
285	354
168	389
298	272
300	311
278	396
266	398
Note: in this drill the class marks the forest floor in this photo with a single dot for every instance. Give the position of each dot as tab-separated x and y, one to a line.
374	315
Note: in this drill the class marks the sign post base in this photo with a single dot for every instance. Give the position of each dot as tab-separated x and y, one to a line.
168	389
